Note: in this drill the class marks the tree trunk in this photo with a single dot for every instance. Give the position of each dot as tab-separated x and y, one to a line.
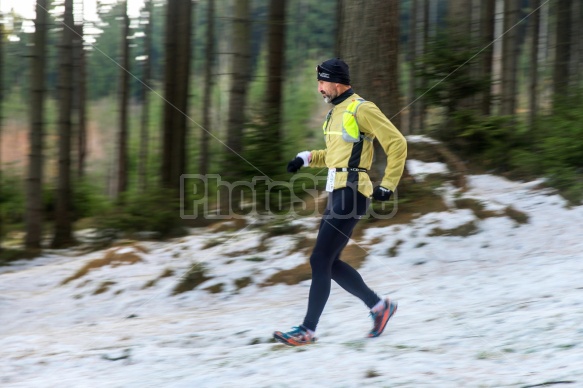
561	73
82	121
122	142
1	123
373	62
579	39
177	79
459	17
533	31
63	223
545	56
486	38
168	125
422	50
271	140
576	32
184	52
339	29
459	30
34	200
433	18
241	69
76	109
144	132
208	89
411	59
509	58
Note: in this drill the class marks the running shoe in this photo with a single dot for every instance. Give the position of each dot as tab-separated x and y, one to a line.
381	318
297	336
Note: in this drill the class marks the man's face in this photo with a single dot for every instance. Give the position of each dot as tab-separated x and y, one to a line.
327	90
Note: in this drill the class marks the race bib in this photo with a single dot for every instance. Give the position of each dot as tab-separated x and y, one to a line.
330	181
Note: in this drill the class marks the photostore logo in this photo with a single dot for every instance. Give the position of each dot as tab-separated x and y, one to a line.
211	197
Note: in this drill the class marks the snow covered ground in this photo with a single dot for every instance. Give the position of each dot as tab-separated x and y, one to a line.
502	307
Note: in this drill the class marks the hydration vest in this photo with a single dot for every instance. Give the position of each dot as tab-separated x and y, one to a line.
350	131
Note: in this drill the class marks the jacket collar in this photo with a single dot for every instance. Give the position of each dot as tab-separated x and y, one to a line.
342	97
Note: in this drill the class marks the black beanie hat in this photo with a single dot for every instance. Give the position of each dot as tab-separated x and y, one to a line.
334	70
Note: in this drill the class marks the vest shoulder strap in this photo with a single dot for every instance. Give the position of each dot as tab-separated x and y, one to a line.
352	108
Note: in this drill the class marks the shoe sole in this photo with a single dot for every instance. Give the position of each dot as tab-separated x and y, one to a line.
278	336
387	316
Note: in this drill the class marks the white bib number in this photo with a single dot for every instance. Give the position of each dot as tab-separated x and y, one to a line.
331	179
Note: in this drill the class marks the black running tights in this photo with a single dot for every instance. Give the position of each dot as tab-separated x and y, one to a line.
345	206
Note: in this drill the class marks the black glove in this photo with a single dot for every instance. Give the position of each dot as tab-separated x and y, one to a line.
295	164
381	194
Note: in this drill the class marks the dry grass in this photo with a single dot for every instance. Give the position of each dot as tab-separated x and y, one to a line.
280	229
304	245
354	254
195	276
394	250
247	252
516	215
255	259
243	282
229	226
103	287
464	230
371	373
476	207
113	257
413	206
215	289
212	243
132	244
290	276
151	283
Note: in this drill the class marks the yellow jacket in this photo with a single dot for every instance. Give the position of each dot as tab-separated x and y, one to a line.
340	153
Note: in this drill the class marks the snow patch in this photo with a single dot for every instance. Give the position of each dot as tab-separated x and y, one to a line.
420	169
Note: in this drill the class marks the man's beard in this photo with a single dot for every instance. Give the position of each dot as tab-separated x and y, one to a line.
328	98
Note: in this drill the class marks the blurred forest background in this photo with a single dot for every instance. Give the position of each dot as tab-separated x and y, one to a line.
100	117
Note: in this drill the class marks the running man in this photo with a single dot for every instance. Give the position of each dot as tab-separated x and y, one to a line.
350	128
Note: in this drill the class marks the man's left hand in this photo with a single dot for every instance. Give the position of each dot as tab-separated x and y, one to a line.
381	193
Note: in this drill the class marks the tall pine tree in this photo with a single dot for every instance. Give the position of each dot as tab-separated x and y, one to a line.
124	95
177	81
63	215
34	200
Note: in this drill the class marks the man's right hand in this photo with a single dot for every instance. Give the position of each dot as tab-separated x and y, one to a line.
295	165
302	160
